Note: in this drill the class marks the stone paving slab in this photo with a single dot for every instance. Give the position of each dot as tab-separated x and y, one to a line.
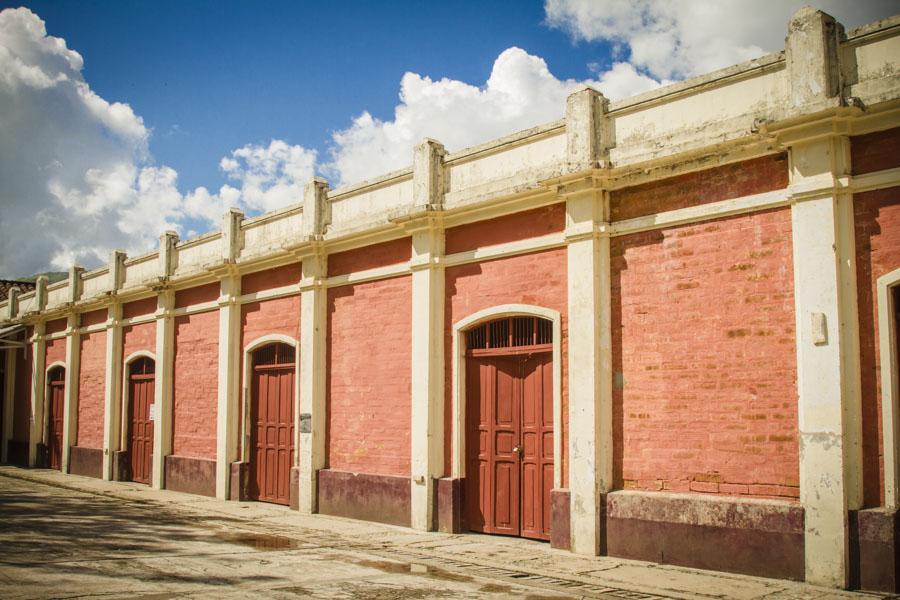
197	547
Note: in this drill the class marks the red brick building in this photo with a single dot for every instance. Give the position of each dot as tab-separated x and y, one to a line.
663	328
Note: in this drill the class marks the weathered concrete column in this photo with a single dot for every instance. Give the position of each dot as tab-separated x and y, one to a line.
590	362
828	378
161	410
313	328
229	400
112	391
70	397
38	366
427	426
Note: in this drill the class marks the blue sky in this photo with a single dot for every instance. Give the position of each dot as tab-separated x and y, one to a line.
209	77
119	120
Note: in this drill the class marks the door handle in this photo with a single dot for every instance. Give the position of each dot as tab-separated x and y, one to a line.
518	449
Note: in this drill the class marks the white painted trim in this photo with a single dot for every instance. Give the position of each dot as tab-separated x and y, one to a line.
526	246
244	442
126	375
458	415
59	335
92	328
890	386
270	294
139	320
385	272
193	309
703	212
877	180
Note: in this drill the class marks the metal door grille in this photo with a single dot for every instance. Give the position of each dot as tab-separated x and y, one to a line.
510	335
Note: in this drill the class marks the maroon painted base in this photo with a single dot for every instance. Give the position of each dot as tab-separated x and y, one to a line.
294	489
719	534
121	465
379	498
17	453
876	560
191	475
448	498
239	486
86	461
560	526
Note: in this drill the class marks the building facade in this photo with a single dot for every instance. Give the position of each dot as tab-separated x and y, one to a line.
663	328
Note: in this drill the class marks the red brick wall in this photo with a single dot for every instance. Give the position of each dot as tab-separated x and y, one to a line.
91	384
875	151
55	326
56	352
272	278
368	377
95	317
510	228
538	279
701	187
705	392
197	295
877	218
138	337
370	257
138	308
22	401
195	384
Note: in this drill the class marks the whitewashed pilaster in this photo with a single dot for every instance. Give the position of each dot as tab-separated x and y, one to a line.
112	391
70	397
165	361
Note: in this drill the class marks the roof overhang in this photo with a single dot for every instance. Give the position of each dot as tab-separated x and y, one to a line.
8	335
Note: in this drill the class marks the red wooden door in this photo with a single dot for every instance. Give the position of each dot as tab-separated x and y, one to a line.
272	424
509	467
56	386
141	388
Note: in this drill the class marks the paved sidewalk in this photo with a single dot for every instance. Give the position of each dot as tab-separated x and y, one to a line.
353	559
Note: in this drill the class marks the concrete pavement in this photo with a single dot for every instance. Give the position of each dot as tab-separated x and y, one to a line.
75	537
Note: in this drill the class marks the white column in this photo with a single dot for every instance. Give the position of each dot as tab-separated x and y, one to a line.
313	327
112	391
70	398
588	137
8	391
162	400
427	377
828	378
38	365
427	427
228	406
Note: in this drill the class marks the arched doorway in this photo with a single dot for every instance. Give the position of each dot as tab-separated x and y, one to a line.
141	392
56	392
272	422
509	426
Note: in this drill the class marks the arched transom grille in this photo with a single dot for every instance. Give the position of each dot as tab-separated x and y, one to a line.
510	335
56	375
274	355
142	366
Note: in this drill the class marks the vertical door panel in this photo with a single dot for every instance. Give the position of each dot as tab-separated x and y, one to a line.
57	392
272	434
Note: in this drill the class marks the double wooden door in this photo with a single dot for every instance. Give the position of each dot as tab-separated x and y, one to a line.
272	425
509	444
56	387
141	392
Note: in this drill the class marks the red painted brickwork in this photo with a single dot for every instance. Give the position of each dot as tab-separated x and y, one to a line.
138	337
702	187
56	352
370	257
875	151
537	279
704	359
91	384
138	308
195	384
55	326
95	317
877	218
368	377
509	228
197	295
22	400
272	278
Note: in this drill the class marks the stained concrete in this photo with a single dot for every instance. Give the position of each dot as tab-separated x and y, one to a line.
64	537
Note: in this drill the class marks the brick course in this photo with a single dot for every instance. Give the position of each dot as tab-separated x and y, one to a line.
877	222
195	382
370	257
368	377
705	385
91	389
875	151
508	228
